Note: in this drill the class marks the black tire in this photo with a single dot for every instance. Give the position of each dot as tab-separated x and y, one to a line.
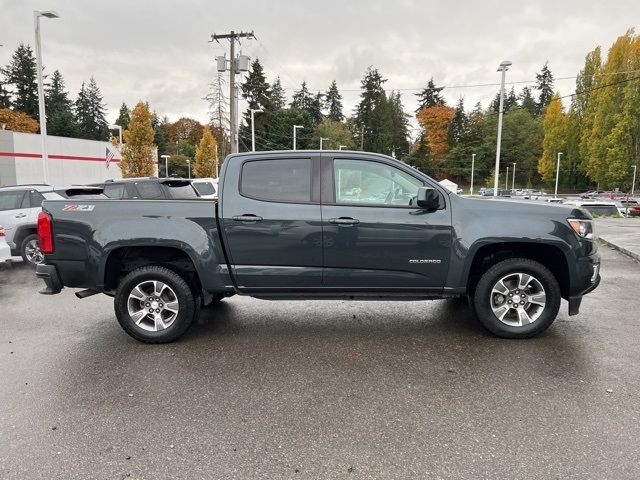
26	252
545	315
179	288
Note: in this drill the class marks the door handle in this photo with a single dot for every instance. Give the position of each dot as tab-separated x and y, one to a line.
21	215
345	221
247	218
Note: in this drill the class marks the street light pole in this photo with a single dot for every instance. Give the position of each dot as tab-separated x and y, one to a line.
321	140
473	164
557	174
253	128
166	163
506	179
295	129
504	66
43	117
513	182
189	167
633	182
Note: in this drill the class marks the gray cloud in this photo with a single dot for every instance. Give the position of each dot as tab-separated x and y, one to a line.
159	51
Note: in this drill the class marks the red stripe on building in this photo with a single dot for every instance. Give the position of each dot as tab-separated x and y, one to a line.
55	157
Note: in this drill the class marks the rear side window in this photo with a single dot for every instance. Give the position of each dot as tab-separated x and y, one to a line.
115	190
181	191
204	188
149	190
277	180
11	200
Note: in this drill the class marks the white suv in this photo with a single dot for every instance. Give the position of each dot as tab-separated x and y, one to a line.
19	208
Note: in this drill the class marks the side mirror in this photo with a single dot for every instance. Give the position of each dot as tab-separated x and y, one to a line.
428	198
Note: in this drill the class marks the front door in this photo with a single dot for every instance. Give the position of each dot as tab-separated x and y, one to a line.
271	222
13	212
373	237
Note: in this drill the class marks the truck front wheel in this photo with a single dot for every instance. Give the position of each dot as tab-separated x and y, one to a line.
154	305
517	298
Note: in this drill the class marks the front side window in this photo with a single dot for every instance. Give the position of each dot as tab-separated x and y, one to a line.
114	190
362	182
287	180
11	200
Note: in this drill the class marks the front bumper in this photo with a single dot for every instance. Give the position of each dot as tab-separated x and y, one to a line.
586	280
49	273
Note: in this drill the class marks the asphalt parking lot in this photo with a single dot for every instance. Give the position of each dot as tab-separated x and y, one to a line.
319	390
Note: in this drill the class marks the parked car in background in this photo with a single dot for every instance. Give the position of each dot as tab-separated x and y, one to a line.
207	188
598	208
19	208
149	188
5	250
632	207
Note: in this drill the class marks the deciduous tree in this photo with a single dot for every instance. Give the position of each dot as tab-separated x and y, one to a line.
18	121
137	152
206	158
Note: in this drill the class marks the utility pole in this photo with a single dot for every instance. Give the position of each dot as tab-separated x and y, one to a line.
234	69
473	164
633	182
322	139
504	66
506	180
513	182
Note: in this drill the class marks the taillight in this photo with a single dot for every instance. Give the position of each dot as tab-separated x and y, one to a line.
45	233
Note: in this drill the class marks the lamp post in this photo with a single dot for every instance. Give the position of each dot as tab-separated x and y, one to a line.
557	174
189	167
633	182
513	181
504	66
506	179
295	130
322	139
166	163
43	117
253	128
119	128
473	164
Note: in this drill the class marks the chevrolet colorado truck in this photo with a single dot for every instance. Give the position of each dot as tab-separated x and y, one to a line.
320	225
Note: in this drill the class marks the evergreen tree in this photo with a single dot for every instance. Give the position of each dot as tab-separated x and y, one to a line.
302	99
544	85
255	89
459	124
90	113
583	107
430	96
334	103
527	101
124	117
21	74
137	151
372	96
5	97
277	98
161	132
315	109
510	101
60	119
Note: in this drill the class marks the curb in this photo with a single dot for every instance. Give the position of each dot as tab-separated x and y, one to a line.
622	250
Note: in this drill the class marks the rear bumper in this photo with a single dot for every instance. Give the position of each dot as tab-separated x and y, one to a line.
49	273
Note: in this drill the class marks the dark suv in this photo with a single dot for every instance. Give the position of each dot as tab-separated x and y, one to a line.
149	188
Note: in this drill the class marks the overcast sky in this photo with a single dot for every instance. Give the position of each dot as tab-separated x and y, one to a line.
159	50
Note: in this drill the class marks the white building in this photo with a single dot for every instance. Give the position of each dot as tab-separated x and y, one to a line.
71	160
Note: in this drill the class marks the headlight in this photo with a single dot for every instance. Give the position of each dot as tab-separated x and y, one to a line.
583	228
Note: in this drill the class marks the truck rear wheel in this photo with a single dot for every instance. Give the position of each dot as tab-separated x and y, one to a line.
154	305
517	298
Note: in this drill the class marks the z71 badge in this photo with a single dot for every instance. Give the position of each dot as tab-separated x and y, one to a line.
78	208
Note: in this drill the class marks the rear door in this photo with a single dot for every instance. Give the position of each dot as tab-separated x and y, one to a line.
12	212
270	214
374	238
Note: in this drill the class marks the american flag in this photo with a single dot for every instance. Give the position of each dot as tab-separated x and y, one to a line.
109	157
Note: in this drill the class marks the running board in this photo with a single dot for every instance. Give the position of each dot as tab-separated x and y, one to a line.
86	293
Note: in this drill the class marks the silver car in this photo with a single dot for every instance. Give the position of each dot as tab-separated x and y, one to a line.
19	208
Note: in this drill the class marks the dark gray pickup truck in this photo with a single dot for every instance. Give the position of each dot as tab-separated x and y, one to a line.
320	225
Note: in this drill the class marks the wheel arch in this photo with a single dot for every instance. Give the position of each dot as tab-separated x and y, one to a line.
551	256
